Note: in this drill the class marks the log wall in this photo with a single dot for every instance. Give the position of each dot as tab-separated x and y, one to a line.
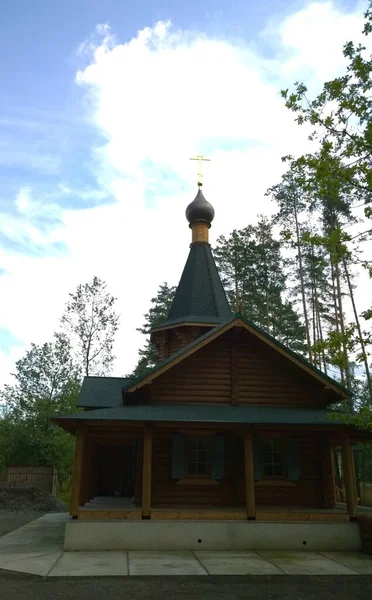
308	492
238	368
170	341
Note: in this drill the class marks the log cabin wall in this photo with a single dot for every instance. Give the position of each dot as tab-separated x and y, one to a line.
170	341
308	492
238	368
167	492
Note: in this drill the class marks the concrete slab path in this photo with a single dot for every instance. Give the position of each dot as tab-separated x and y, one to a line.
37	548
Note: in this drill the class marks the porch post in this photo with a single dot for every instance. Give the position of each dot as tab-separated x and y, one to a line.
146	473
354	474
348	477
249	476
77	475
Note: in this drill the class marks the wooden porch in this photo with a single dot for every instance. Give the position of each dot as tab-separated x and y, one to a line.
278	514
197	502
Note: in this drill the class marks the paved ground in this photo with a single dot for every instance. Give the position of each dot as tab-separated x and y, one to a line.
26	587
37	549
12	520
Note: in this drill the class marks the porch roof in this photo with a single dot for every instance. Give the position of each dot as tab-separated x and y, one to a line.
208	413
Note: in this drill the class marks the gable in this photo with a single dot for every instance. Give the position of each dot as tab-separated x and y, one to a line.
238	368
334	389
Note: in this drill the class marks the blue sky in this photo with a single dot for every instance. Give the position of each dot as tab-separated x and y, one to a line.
101	105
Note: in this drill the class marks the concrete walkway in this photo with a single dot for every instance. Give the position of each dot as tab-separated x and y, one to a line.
37	548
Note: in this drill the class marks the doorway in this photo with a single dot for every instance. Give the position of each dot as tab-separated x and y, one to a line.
117	470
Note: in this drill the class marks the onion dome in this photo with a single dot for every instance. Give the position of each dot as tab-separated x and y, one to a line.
200	210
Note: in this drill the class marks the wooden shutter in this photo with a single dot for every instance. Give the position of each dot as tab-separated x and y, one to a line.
217	456
258	458
178	456
293	459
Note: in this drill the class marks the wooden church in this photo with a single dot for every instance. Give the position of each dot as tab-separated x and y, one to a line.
230	424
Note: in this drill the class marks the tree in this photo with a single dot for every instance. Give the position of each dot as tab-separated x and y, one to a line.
252	270
341	117
291	204
47	383
91	323
341	113
157	314
336	181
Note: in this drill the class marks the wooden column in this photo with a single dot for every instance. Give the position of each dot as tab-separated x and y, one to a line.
249	476
146	472
329	488
348	477
77	474
354	475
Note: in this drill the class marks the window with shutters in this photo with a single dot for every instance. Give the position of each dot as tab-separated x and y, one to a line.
197	456
273	458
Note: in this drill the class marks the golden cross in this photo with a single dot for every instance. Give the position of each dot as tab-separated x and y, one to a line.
200	158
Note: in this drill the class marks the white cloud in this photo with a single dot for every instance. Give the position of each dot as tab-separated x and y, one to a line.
155	101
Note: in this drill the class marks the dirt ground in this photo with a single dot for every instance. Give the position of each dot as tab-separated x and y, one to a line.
280	587
12	520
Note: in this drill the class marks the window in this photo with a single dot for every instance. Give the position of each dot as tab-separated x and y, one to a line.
197	456
273	458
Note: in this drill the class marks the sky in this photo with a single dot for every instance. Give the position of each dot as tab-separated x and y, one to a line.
101	106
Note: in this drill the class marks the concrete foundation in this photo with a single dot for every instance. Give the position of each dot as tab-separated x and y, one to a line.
210	535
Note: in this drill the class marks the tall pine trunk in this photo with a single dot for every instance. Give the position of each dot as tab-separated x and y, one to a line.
302	285
342	330
336	309
357	323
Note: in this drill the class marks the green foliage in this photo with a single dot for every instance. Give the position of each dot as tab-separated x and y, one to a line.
91	323
157	314
251	267
47	383
333	181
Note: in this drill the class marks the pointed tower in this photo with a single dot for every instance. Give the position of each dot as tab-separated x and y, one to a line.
200	301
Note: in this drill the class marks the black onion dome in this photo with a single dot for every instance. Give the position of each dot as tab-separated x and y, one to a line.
200	210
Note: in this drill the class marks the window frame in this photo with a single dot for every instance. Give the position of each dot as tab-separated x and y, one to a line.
207	441
281	448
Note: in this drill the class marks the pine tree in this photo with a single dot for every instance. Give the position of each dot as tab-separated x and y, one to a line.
252	270
157	314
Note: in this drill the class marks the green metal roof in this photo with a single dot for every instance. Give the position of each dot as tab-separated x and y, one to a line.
200	294
208	413
102	392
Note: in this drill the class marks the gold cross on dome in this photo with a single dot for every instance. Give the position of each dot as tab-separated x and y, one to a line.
200	158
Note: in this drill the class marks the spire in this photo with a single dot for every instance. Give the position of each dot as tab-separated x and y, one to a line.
200	297
200	213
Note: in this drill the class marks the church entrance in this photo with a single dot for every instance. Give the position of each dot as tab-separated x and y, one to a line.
117	470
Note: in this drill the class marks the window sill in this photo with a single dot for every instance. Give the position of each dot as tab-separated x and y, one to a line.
276	482
197	481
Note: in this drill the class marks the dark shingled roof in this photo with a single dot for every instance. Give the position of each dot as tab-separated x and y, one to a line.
102	392
209	413
200	296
